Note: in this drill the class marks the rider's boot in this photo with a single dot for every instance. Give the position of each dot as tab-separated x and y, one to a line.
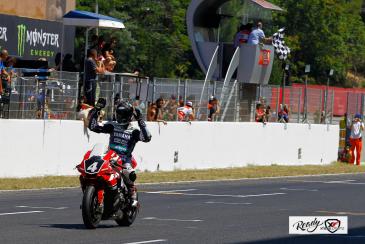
133	195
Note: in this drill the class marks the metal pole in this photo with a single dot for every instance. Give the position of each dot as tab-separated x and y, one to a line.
178	97
86	48
185	90
283	89
299	99
332	105
277	102
305	119
347	104
97	12
326	99
153	89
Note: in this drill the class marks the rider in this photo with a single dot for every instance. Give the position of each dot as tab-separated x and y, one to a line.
123	137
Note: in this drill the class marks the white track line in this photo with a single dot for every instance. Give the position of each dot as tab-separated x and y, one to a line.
223	195
170	191
297	189
177	220
230	203
241	179
14	213
56	208
151	241
346	182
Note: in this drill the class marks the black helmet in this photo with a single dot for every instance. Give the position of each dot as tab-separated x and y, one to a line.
124	113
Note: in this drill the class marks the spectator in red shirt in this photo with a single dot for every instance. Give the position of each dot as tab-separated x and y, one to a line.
260	113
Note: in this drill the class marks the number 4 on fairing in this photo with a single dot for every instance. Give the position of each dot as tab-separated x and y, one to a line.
93	165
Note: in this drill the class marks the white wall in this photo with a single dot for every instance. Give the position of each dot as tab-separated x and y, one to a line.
53	147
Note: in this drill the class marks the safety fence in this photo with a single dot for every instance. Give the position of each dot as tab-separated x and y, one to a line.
56	97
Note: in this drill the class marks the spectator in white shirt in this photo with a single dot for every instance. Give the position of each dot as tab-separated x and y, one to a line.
257	36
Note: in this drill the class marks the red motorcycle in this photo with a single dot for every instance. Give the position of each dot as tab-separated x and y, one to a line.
101	174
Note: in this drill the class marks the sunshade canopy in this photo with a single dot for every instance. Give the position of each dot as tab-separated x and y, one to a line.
89	19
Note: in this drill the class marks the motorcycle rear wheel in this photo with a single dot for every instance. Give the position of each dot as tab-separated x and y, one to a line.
90	216
129	216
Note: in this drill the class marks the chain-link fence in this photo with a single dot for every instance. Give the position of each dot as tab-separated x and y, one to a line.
51	97
56	97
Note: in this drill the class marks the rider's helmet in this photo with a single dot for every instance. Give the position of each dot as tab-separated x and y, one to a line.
124	113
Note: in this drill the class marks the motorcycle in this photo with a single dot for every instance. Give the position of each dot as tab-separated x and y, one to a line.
105	196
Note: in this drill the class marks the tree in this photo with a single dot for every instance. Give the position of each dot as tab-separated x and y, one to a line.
155	39
327	34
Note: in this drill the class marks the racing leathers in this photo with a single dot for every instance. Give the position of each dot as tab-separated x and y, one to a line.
123	138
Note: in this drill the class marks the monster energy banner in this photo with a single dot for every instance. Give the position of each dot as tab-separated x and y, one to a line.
33	39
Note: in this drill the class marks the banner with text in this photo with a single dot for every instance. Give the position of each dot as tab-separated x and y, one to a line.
31	38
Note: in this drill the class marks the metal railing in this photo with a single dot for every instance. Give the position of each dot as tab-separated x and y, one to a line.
57	98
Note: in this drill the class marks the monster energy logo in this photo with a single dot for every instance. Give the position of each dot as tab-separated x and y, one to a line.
22	29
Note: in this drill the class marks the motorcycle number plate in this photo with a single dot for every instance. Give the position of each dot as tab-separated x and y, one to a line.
93	165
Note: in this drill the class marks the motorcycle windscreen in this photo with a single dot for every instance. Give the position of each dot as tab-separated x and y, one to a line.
99	149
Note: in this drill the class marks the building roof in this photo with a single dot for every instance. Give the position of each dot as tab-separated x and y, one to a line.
267	5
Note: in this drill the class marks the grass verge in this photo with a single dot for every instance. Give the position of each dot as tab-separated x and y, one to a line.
189	175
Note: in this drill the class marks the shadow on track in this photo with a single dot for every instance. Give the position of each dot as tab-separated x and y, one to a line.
77	226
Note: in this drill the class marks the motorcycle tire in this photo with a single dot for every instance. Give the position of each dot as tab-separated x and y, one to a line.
129	216
89	208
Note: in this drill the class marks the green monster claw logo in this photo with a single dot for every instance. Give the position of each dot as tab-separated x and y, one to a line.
22	29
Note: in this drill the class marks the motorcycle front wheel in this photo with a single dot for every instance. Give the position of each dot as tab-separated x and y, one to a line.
129	216
90	214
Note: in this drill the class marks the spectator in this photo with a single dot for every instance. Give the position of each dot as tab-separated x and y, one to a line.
155	111
9	64
257	35
5	77
283	114
170	109
57	61
186	113
100	45
109	64
243	35
108	48
260	113
348	123
267	113
91	71
357	127
213	107
67	64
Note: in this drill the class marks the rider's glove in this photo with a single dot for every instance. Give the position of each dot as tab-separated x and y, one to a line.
100	104
138	114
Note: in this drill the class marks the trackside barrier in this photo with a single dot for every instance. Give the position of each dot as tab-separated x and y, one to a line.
53	147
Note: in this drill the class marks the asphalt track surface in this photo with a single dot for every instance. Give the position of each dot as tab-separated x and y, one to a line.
244	211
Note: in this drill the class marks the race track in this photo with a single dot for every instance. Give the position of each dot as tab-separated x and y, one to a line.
244	211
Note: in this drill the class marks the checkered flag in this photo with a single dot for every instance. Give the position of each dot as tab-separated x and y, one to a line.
278	42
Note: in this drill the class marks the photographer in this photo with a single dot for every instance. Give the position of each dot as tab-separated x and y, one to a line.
357	127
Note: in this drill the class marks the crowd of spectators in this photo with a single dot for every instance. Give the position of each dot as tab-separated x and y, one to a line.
7	71
100	60
264	114
172	109
250	34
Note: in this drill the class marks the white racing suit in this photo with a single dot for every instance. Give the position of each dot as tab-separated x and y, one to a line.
123	138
